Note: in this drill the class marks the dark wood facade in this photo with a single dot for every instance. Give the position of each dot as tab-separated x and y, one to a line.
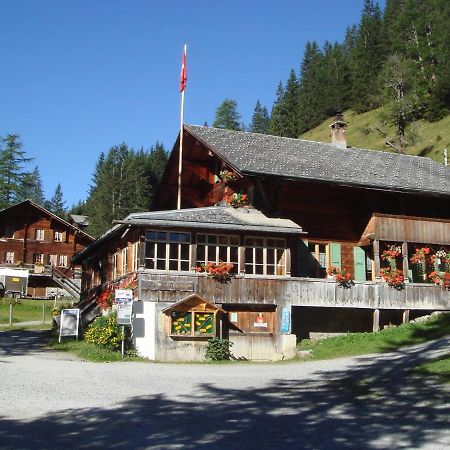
329	212
34	238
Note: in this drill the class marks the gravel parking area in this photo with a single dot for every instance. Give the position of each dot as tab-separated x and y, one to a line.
52	400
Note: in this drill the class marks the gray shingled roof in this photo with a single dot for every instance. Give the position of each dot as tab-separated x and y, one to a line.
215	218
259	154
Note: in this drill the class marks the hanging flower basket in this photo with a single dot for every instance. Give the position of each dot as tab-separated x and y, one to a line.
420	255
342	277
389	255
394	277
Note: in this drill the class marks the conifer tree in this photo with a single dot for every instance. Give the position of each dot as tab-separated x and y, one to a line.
311	93
260	120
57	204
227	116
276	116
12	170
31	187
366	59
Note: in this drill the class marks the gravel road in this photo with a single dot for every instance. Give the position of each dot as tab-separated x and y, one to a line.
51	400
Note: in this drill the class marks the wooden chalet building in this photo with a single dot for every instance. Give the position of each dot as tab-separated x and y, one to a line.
33	238
346	208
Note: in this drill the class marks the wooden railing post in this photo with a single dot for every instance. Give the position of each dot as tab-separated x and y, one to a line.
405	261
376	258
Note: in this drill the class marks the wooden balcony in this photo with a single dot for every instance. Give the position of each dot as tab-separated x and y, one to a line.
289	291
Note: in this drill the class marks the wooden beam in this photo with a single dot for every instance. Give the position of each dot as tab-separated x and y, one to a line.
376	320
376	258
405	260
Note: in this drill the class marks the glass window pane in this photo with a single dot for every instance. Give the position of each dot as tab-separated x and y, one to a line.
249	268
185	265
161	250
223	254
212	239
281	243
259	270
161	235
249	241
173	264
248	255
270	269
259	255
181	322
234	240
161	264
259	242
173	251
223	240
201	238
270	242
201	253
150	235
185	251
149	250
234	251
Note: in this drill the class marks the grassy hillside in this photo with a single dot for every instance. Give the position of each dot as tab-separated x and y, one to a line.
434	137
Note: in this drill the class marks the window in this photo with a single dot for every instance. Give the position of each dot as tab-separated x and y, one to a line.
9	258
167	251
192	323
40	235
265	256
62	260
115	266
38	258
53	260
58	236
125	260
215	248
135	260
320	253
9	231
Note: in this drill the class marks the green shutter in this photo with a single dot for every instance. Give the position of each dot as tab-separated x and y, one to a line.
359	260
335	254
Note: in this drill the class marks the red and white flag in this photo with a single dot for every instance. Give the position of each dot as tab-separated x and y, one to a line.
183	77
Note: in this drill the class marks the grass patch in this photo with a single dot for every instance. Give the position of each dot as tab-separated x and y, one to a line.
26	310
90	352
434	137
439	368
354	344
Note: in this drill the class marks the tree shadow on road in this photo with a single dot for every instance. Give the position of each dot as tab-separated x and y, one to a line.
21	342
377	403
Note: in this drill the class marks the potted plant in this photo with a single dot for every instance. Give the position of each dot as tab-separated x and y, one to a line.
394	277
237	200
227	176
220	272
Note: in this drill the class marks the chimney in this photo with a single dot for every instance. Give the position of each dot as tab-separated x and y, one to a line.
338	129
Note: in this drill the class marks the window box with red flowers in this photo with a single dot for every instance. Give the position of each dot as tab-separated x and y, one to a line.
394	277
440	279
342	277
221	272
419	258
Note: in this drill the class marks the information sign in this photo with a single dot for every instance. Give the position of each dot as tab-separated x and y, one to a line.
69	323
124	303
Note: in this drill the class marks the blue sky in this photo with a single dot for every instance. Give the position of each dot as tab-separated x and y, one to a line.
78	77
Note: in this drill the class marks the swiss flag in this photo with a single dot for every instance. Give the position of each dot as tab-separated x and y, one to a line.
183	76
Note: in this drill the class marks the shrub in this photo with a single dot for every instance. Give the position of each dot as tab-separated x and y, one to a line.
218	349
105	332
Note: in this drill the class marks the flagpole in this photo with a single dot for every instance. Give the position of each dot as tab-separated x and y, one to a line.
180	152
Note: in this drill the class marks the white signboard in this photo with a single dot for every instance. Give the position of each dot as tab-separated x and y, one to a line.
69	323
124	303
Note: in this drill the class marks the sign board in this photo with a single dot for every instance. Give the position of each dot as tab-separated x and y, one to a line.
69	323
285	326
124	302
